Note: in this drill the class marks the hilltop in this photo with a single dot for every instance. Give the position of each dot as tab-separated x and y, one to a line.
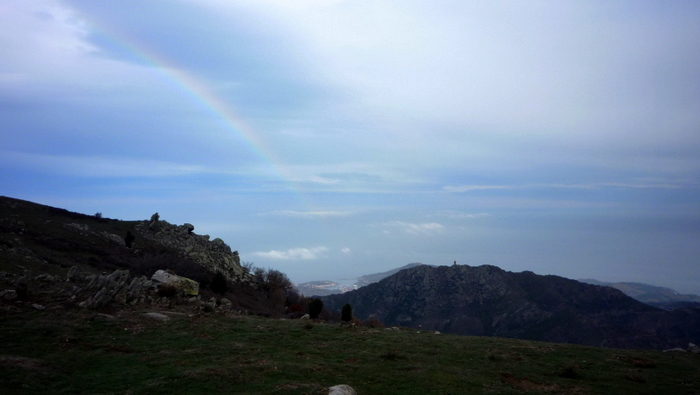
489	301
662	297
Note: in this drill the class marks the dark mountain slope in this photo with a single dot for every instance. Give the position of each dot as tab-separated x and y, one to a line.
489	301
660	297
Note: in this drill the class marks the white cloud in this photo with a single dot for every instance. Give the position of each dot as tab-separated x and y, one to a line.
346	251
467	188
293	253
101	166
309	214
461	215
415	228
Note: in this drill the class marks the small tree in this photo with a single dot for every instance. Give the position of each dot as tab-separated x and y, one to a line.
218	284
346	313
315	308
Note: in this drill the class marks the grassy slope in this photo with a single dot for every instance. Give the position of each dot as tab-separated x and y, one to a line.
77	351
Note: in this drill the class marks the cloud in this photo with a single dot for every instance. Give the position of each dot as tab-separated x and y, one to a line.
293	253
308	214
415	228
101	166
467	188
633	184
461	215
346	251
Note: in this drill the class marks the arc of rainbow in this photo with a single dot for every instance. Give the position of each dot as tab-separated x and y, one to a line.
197	91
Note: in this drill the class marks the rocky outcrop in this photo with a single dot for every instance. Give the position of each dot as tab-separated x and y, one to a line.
102	290
214	255
489	301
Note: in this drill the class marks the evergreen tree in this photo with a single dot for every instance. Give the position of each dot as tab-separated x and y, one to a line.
315	308
346	313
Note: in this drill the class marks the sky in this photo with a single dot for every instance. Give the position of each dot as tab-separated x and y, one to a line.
332	139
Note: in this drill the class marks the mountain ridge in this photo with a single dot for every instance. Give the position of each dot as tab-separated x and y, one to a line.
489	301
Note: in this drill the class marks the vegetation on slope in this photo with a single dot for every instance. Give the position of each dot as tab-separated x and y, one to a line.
78	351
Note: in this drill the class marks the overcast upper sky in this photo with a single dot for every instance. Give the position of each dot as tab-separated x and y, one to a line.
331	139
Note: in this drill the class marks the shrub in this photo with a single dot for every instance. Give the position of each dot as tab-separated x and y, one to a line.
167	290
315	308
219	284
346	313
373	322
129	239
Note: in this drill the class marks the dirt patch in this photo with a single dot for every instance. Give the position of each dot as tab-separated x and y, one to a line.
528	385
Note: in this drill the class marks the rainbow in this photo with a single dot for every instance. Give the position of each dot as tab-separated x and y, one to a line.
200	94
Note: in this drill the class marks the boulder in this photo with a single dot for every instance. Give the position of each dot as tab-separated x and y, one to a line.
188	228
342	389
185	285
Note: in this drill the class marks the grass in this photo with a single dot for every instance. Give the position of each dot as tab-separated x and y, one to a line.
78	351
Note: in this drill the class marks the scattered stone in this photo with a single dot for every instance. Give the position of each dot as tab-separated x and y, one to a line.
114	238
189	228
436	332
305	317
225	303
342	389
693	348
157	316
38	307
103	289
8	294
73	274
44	277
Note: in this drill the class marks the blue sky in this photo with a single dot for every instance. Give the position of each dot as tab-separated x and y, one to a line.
331	139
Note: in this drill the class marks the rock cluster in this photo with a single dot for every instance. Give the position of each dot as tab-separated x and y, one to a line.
116	287
214	255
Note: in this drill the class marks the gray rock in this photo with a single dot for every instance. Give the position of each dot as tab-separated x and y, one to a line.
189	228
73	274
305	317
342	389
8	294
44	277
103	289
184	285
114	238
38	307
225	303
693	348
157	316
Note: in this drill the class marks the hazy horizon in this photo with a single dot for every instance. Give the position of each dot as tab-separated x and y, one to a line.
332	139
